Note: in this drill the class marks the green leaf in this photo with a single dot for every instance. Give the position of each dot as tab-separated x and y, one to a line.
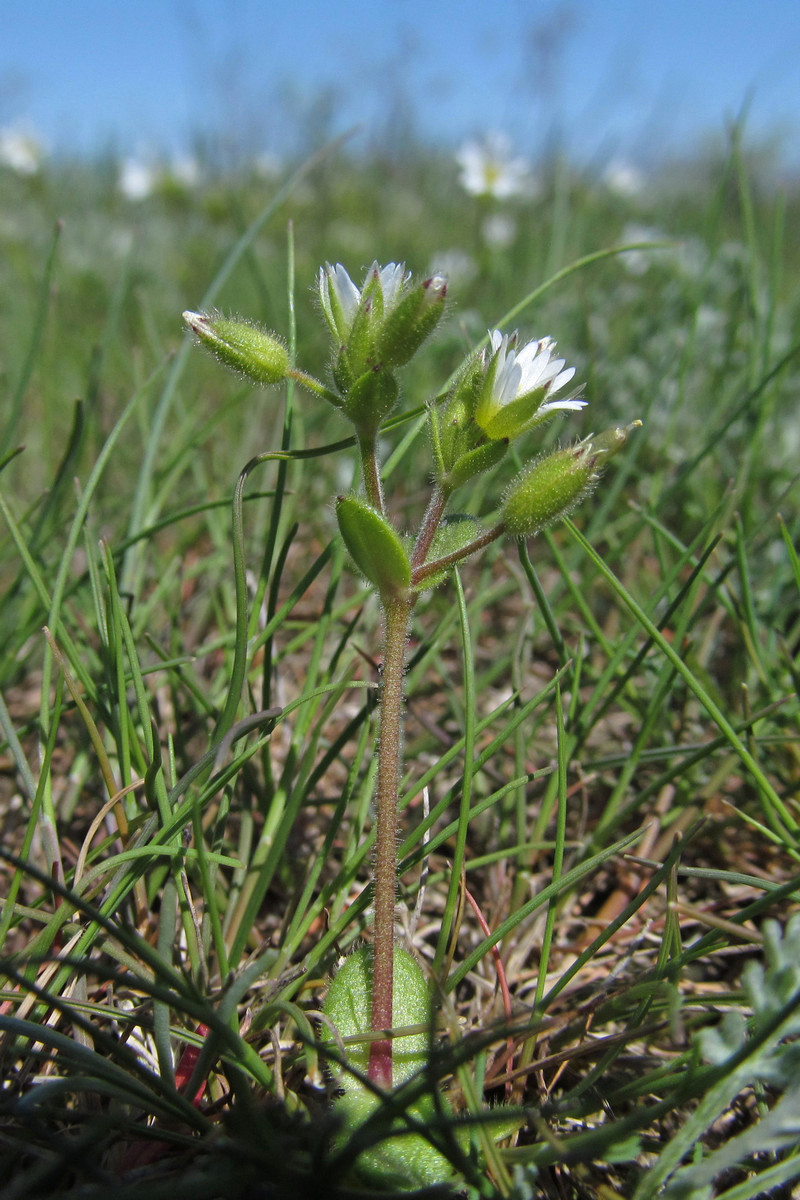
349	1005
399	1158
374	545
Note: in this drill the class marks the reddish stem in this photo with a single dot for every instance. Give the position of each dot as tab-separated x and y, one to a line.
397	612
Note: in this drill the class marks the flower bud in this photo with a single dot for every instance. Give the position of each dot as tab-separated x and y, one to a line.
412	320
554	484
549	489
261	356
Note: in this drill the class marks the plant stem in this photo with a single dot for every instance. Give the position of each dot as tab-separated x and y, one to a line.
314	385
373	484
420	573
430	523
397	612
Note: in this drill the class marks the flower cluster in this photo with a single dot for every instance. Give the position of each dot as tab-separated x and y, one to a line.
376	328
501	393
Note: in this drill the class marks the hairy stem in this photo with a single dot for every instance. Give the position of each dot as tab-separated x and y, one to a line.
420	573
314	385
373	484
430	523
397	614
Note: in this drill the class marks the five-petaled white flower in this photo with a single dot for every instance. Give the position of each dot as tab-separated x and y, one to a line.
488	169
340	297
518	386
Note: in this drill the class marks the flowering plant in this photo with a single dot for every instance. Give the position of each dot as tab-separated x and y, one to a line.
500	394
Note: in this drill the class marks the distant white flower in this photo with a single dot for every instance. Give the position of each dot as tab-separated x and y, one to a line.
519	385
20	150
340	297
137	180
499	231
623	178
488	169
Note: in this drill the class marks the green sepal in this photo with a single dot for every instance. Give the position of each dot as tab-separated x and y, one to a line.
450	430
360	346
455	533
371	398
374	545
475	462
510	420
435	429
342	372
410	322
468	388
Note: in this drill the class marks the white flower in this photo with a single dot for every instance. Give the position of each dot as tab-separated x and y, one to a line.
20	150
136	179
487	169
519	385
340	297
623	178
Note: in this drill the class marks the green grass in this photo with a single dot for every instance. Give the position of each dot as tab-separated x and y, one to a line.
602	724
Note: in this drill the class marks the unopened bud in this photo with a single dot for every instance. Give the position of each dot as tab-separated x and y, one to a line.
413	319
549	489
554	484
261	356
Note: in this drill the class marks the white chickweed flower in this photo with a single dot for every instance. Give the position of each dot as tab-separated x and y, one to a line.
136	179
340	297
519	386
623	178
488	169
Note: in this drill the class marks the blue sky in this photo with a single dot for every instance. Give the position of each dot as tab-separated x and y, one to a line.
623	78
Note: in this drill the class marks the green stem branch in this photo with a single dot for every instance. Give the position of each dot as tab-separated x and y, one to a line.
421	573
314	385
430	523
